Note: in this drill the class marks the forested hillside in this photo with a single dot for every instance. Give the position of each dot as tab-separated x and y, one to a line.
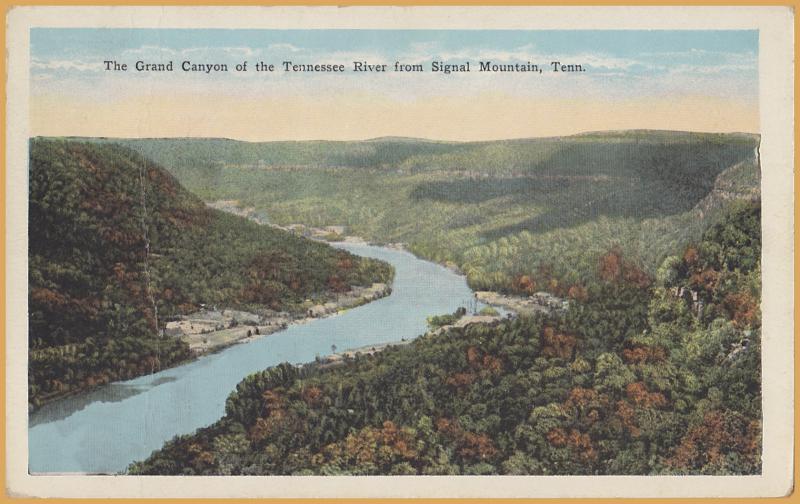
117	248
643	374
516	216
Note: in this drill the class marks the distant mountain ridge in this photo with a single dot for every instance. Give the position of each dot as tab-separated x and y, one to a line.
499	210
409	139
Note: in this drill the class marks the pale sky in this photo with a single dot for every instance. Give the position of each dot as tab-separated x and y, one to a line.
681	80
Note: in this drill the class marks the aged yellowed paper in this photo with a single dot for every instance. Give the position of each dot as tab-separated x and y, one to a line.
400	252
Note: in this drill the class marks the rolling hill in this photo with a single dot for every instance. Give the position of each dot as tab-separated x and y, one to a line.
542	209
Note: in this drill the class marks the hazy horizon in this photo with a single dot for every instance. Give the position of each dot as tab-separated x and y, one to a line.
408	138
631	79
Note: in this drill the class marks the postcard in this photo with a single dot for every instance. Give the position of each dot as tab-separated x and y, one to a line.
400	252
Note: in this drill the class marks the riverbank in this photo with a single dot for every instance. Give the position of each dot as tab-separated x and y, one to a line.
329	234
339	358
538	302
211	330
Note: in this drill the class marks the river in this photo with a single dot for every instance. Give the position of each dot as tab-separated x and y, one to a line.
105	430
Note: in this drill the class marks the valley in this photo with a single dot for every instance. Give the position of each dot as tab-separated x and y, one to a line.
630	261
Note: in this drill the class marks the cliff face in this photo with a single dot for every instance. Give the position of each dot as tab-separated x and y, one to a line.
740	181
117	248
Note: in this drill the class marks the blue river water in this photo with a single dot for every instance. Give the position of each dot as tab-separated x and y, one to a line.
105	430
